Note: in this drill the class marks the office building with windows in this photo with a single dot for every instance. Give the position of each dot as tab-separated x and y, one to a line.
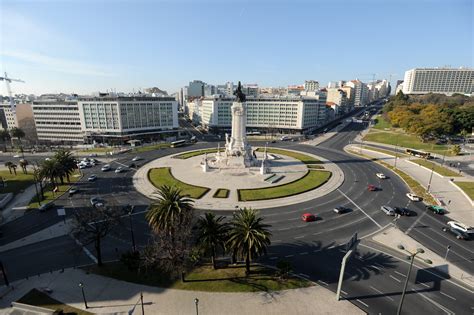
121	118
438	80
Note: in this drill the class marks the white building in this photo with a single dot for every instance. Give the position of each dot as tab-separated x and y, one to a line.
193	109
7	117
438	80
57	121
311	85
291	114
360	92
123	118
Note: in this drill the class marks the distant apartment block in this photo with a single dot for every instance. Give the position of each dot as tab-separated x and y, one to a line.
438	80
311	85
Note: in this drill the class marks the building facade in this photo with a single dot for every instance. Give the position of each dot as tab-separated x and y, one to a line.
443	80
311	85
57	121
123	118
291	114
360	92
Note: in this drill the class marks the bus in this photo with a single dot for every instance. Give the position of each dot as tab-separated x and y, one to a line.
418	153
178	143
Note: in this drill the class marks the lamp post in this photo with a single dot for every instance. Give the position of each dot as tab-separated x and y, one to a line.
81	285
196	301
412	258
447	251
431	177
134	248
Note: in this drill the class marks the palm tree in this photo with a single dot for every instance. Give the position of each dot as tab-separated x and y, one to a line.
23	164
212	233
169	210
67	164
17	133
4	136
50	169
9	165
248	236
14	166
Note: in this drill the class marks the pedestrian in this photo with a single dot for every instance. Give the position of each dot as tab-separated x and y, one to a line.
449	201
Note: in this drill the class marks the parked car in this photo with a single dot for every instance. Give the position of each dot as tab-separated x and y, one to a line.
92	178
81	166
388	210
73	191
93	155
436	209
372	188
308	217
341	210
105	168
381	175
119	169
16	156
402	211
461	227
460	235
413	197
46	206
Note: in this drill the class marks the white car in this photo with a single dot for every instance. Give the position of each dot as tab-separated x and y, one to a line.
92	178
105	168
461	227
119	169
16	156
381	175
137	158
413	197
81	166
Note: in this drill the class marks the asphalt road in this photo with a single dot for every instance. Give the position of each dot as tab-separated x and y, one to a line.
373	280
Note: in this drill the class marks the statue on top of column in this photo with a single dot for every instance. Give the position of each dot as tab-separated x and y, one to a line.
240	95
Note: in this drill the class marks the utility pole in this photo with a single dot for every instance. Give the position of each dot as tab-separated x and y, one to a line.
351	246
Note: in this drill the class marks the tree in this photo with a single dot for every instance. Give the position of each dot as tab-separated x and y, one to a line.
91	225
17	133
50	170
456	149
14	166
38	178
212	233
67	164
248	236
9	165
4	136
23	164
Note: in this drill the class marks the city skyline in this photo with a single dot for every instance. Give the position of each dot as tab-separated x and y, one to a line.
66	47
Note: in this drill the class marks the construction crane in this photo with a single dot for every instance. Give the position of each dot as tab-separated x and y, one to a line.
9	90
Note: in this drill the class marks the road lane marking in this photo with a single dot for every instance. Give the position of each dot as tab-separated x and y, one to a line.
376	223
441	307
321	281
447	295
288	256
273	258
378	291
297	237
424	284
400	274
362	303
343	292
277	241
304	275
304	253
395	279
373	266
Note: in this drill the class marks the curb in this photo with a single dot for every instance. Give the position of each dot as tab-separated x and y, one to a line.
463	192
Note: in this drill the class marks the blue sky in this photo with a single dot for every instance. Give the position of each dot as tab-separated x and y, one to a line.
85	46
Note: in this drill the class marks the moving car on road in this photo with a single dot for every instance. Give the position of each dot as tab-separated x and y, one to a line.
341	210
461	227
73	190
96	202
137	158
402	211
105	168
92	178
460	235
388	210
381	175
119	169
46	206
413	197
436	209
308	217
372	188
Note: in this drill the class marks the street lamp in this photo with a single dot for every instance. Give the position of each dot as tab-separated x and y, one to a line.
431	177
411	257
447	251
81	285
134	248
196	301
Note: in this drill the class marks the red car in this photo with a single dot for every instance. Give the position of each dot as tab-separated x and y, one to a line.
308	217
372	188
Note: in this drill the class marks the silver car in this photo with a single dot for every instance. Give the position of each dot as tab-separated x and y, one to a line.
388	210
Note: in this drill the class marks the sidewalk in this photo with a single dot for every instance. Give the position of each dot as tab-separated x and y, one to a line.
18	205
392	237
110	296
450	197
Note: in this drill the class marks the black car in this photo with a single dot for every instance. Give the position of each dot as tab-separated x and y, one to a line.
460	235
402	211
341	210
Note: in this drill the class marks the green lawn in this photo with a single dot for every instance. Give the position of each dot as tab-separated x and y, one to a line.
306	159
406	140
437	168
16	183
313	179
414	186
381	123
315	167
204	278
151	147
188	155
162	176
468	188
38	298
221	193
48	193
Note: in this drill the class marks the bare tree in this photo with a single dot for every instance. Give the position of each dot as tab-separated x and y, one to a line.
91	225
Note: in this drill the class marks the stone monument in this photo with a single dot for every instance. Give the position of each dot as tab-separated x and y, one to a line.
237	149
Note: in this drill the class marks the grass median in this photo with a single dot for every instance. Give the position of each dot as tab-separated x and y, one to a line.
151	147
306	159
312	180
221	193
205	278
467	187
437	168
49	195
15	183
162	176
